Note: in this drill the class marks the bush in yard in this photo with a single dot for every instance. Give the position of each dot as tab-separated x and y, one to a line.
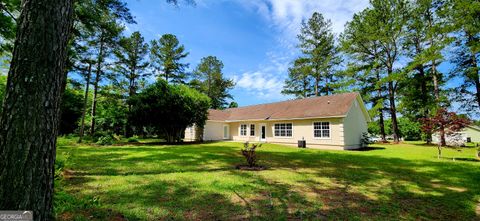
250	154
365	140
169	109
133	139
106	140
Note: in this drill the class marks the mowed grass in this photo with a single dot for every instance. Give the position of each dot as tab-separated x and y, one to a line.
200	182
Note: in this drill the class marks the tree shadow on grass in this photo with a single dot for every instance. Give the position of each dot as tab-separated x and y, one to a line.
368	149
462	159
332	185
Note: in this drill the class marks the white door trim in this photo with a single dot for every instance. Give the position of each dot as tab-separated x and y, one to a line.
263	133
226	131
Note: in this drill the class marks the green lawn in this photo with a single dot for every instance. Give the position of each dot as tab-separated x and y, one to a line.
200	182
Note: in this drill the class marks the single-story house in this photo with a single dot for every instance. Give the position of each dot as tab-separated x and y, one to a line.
470	133
327	122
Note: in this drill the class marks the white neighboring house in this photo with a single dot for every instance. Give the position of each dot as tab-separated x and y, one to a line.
468	134
326	122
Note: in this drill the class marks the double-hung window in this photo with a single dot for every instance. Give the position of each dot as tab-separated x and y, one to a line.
283	130
252	130
243	130
321	129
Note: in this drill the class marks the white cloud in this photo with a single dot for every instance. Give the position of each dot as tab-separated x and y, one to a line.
262	85
266	83
287	15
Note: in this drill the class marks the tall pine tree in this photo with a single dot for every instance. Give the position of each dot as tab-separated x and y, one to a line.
208	78
130	65
165	57
299	81
318	48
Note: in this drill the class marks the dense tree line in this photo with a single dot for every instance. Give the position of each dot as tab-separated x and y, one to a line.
391	52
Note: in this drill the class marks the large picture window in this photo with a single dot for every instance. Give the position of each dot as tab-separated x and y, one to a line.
243	130
283	130
321	129
252	130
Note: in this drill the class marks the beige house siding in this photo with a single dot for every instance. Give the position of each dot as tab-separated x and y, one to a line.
472	133
213	131
235	131
355	124
300	129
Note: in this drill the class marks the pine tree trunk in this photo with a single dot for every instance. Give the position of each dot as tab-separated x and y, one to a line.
436	87
475	73
326	85
436	90
442	137
95	85
439	151
381	120
393	112
305	87
85	101
31	111
128	128
423	90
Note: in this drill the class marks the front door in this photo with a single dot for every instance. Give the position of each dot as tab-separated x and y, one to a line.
225	132
263	132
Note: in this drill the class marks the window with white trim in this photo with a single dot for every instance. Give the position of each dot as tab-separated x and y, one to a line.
243	130
252	130
321	129
283	130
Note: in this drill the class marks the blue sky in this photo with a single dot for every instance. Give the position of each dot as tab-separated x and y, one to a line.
255	39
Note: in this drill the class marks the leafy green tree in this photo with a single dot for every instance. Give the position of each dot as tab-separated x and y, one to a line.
208	79
3	85
465	15
169	109
364	69
317	45
71	109
131	62
299	81
166	54
112	112
88	75
233	104
410	130
9	10
96	31
386	22
427	37
106	37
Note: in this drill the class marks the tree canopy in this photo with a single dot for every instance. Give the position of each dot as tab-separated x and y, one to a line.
169	109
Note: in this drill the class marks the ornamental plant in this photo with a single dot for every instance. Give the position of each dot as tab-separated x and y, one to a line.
445	123
250	154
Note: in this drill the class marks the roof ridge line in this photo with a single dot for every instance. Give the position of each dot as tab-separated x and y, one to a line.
253	105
